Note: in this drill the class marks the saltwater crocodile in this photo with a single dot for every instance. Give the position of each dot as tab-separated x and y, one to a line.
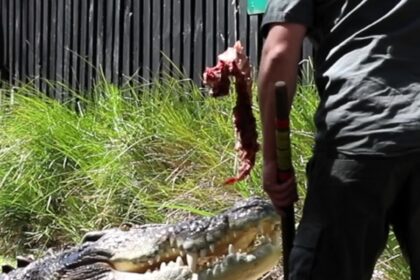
240	243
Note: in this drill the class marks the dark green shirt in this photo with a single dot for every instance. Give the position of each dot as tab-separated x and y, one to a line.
367	69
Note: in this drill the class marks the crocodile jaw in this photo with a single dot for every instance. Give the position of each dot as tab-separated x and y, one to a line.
171	272
250	266
244	266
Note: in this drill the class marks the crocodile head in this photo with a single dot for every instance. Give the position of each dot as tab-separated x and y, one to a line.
240	243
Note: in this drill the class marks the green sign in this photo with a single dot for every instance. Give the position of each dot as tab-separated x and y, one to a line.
256	6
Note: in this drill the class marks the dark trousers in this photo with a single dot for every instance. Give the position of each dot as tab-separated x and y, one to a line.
350	206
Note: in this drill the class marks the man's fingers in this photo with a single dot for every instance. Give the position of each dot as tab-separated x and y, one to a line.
284	188
284	194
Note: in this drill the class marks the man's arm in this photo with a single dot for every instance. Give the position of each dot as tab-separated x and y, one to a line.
280	58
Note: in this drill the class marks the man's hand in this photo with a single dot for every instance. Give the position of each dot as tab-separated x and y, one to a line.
283	194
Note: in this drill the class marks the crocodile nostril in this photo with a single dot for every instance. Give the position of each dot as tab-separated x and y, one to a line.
93	236
6	268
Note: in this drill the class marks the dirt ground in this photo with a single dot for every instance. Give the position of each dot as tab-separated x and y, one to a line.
277	274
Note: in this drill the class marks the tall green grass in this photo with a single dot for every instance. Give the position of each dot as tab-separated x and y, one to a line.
130	154
141	154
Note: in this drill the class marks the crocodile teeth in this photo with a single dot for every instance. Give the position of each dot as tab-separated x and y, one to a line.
192	261
217	269
231	249
172	240
212	248
179	243
179	261
194	276
150	262
276	240
162	265
230	260
261	229
203	253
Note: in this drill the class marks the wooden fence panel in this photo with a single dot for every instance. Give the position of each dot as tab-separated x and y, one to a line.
52	43
23	55
91	50
4	34
187	37
82	47
136	37
126	38
156	36
177	36
16	40
116	43
66	52
31	40
198	45
166	36
221	26
232	24
210	34
74	41
109	34
99	35
147	38
59	54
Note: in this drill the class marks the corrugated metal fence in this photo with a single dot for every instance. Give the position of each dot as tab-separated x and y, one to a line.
70	40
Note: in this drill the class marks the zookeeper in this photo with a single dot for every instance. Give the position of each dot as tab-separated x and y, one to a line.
364	176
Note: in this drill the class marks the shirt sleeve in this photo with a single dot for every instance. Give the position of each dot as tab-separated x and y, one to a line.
293	11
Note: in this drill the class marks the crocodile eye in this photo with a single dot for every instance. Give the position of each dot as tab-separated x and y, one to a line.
126	226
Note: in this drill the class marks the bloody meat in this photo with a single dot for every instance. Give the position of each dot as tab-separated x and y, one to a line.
234	63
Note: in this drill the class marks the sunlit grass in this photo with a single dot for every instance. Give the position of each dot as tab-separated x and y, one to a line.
132	154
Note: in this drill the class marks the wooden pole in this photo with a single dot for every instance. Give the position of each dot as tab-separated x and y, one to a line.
285	169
